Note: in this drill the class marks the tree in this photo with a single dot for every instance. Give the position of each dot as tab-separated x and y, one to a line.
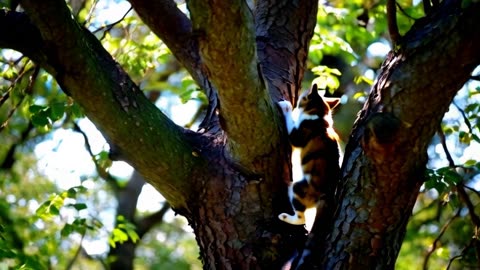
230	178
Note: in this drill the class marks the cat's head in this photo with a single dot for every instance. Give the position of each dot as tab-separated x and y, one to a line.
313	104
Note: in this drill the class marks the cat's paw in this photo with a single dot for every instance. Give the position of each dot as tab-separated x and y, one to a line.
285	106
294	220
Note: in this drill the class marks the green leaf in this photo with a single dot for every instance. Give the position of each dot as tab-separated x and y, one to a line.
40	120
186	96
34	109
119	236
79	206
452	178
472	108
359	94
71	193
360	79
470	163
50	208
66	230
57	110
133	235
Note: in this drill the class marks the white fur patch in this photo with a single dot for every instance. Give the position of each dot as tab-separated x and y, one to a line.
303	116
287	109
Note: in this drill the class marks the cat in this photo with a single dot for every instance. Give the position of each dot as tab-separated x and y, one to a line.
313	133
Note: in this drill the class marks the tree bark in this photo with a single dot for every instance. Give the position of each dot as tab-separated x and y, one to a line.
231	184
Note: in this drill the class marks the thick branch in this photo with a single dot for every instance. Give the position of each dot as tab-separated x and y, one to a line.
150	141
227	44
20	34
386	156
284	29
181	42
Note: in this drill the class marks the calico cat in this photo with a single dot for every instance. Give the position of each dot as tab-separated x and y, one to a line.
313	133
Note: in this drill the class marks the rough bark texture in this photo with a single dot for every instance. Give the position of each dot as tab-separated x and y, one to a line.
282	44
232	181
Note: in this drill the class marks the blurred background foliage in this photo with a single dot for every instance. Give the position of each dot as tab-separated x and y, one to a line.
62	197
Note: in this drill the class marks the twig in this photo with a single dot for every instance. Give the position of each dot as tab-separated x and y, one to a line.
472	190
90	12
470	244
77	252
392	22
465	118
28	90
435	242
101	172
475	77
147	222
402	11
471	208
10	88
445	148
9	158
109	27
463	196
474	217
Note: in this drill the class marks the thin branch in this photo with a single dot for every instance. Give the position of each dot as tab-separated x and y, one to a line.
471	208
144	224
392	22
464	250
104	174
90	12
77	252
404	13
437	239
22	72
27	91
475	77
465	117
108	27
9	158
472	190
443	141
460	190
473	216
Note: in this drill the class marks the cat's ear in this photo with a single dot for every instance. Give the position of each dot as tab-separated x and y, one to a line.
332	102
313	91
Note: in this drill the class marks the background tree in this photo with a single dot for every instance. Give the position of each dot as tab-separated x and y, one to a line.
229	178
